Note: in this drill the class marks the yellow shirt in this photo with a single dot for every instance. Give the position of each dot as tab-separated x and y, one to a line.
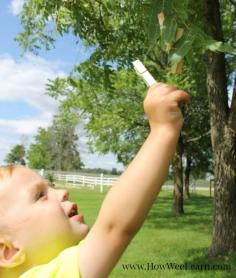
65	265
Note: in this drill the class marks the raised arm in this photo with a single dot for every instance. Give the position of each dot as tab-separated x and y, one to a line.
130	199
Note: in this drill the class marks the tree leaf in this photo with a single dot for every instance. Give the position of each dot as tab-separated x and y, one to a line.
181	48
218	46
153	28
168	32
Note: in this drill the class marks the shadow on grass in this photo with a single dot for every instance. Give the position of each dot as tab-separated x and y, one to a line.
199	262
198	214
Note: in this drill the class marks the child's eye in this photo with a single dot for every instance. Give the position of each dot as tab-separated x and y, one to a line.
40	195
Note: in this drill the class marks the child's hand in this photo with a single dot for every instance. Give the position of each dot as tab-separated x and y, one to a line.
161	106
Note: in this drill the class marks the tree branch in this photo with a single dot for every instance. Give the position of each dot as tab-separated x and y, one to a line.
199	137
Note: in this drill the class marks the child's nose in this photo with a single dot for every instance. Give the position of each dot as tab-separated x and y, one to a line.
63	195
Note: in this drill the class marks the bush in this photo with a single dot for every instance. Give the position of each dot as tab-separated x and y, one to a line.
51	178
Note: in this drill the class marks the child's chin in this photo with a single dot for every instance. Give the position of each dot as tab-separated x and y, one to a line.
80	229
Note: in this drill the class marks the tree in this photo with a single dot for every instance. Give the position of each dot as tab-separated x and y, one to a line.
223	137
199	160
16	155
115	121
172	42
191	146
55	148
115	118
106	82
38	153
114	171
63	154
223	129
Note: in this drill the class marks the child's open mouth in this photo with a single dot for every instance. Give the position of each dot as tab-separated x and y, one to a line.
73	214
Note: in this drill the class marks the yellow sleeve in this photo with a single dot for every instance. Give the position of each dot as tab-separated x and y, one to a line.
65	265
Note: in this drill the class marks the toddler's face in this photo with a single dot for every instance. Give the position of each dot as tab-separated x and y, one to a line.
38	216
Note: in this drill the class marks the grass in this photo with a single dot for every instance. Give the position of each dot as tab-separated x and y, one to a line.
163	238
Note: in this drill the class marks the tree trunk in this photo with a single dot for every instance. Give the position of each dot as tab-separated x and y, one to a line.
187	176
223	138
177	208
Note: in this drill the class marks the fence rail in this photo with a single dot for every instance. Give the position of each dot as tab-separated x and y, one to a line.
90	181
85	180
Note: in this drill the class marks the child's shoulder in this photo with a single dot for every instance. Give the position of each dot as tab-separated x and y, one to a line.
64	265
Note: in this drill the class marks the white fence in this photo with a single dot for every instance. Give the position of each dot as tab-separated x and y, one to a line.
192	188
83	180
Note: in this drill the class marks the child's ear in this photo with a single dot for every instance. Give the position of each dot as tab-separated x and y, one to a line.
10	254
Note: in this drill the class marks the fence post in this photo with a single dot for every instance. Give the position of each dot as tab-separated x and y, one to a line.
83	180
211	182
42	172
101	183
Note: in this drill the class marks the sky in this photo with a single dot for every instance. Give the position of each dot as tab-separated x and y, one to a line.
24	107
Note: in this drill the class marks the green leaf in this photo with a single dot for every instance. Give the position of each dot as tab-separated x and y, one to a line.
72	82
208	43
166	6
65	17
153	28
218	46
168	31
181	48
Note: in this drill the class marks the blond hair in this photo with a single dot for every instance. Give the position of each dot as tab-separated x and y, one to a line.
7	170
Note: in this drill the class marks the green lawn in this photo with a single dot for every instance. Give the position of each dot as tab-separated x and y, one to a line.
164	239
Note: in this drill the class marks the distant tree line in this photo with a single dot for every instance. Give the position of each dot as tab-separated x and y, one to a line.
55	148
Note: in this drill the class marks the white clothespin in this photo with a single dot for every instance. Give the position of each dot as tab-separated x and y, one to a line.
143	73
146	75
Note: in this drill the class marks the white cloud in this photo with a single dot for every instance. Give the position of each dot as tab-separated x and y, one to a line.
24	80
27	127
4	144
16	6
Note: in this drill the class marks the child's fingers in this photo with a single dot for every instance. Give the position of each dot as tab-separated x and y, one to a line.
163	88
181	96
155	85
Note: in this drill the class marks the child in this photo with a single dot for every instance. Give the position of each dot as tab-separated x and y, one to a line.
40	229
